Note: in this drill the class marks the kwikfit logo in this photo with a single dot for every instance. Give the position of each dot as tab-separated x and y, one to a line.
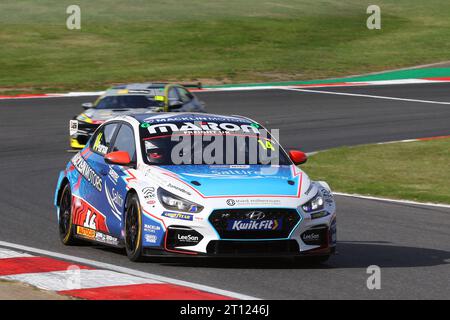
238	225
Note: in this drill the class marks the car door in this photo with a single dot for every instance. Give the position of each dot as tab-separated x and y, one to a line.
118	176
90	213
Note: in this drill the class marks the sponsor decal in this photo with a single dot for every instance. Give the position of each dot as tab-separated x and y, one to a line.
105	238
315	237
115	201
187	238
183	237
239	166
151	228
232	172
311	237
117	197
253	202
86	232
91	234
151	238
87	172
177	215
201	126
195	118
250	225
231	202
179	189
98	146
149	193
113	175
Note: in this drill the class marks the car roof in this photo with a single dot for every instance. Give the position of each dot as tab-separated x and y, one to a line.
135	89
174	117
141	86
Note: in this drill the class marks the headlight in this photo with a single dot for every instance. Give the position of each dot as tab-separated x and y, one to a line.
174	202
315	204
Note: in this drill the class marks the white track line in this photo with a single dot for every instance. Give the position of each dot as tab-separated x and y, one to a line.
86	279
427	204
254	87
8	254
368	96
129	271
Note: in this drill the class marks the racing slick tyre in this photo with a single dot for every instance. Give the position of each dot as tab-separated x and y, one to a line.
65	217
133	228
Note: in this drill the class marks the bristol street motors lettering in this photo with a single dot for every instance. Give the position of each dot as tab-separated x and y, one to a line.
87	172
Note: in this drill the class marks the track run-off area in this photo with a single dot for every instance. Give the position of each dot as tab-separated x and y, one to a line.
410	243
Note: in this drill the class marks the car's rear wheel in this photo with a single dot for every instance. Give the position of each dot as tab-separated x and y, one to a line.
133	228
65	217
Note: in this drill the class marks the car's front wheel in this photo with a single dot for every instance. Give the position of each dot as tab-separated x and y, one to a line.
133	228
65	217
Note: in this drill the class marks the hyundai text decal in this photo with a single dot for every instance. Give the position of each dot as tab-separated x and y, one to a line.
247	225
87	172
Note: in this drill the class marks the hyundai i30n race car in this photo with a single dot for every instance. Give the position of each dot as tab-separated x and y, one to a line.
196	185
134	98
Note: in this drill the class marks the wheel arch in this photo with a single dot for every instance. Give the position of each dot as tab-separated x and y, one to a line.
129	193
65	181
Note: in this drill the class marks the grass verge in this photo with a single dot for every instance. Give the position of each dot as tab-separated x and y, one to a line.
219	41
418	171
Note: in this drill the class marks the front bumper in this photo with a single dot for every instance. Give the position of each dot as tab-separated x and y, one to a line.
320	240
151	252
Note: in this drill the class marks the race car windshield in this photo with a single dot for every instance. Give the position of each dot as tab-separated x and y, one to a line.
211	147
128	102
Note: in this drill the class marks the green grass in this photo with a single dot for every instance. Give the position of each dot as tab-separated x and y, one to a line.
218	41
417	171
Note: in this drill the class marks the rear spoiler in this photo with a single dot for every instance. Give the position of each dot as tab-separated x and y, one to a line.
197	85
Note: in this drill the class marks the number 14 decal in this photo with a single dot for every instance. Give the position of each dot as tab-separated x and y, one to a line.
90	221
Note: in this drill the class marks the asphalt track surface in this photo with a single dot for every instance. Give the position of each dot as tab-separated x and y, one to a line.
410	243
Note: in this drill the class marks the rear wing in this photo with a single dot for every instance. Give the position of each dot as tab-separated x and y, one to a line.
197	85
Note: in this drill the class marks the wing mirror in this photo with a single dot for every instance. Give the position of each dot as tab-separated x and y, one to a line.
121	158
175	104
298	157
87	105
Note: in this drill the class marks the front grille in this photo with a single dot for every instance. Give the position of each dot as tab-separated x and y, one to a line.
274	247
286	220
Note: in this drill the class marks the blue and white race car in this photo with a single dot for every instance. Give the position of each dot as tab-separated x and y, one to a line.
194	184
